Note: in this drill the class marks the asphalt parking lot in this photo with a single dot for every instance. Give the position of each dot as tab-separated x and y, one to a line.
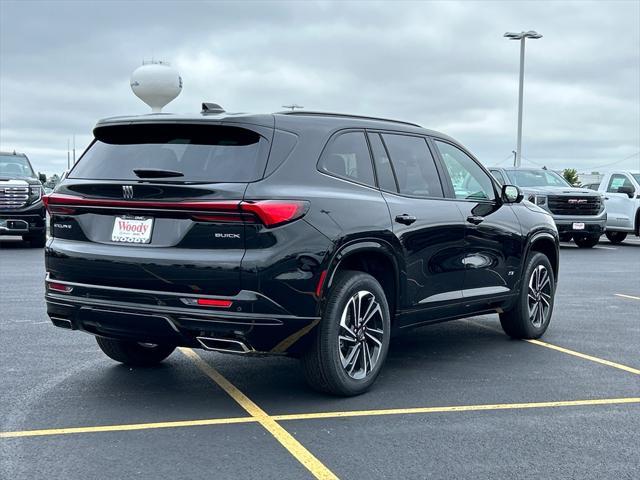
455	400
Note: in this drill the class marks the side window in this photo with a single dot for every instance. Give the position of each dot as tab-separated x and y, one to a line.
469	180
499	177
386	179
617	181
347	156
414	166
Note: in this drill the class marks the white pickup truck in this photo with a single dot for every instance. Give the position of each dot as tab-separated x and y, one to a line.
621	190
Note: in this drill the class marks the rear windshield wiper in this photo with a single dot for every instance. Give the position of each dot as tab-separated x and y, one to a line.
156	173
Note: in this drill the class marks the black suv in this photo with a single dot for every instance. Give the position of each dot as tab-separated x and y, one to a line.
21	210
314	235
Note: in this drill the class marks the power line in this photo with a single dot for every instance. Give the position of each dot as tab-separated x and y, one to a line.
617	161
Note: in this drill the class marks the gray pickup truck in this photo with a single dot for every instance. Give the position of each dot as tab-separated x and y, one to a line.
21	210
579	213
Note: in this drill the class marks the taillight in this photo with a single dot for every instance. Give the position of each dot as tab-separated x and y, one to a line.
276	212
270	212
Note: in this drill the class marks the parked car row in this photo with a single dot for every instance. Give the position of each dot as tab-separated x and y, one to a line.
582	213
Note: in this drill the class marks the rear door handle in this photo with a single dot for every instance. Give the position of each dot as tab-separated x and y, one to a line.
475	219
405	219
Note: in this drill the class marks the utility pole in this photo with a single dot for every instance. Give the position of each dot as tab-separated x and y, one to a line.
68	156
522	36
74	148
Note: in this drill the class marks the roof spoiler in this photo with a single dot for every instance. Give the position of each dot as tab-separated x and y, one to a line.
211	108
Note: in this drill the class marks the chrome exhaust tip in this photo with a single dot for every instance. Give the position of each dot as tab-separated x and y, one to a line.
225	345
62	322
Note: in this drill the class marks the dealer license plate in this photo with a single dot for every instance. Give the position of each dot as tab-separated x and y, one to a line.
578	226
132	230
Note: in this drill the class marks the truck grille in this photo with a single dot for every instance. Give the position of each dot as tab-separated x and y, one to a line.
13	197
567	205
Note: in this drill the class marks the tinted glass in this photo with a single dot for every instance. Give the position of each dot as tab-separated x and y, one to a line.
636	176
618	181
469	180
347	156
537	178
202	153
498	175
414	166
386	180
15	166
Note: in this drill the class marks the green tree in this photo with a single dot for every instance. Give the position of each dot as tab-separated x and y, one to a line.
571	176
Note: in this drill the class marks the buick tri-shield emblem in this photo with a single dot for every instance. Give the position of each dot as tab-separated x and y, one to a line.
127	192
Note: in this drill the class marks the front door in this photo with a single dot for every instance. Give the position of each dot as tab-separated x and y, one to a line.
493	243
620	209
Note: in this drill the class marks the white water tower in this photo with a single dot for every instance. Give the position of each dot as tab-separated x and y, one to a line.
156	84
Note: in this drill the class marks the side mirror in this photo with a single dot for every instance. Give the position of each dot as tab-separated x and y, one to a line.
511	194
42	177
628	190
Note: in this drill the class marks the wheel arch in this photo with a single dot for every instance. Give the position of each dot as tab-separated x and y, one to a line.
547	244
375	257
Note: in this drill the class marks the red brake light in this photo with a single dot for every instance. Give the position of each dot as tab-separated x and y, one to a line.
212	302
276	212
59	287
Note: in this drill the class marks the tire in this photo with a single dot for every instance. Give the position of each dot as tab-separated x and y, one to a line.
616	237
586	242
342	366
134	354
524	321
37	240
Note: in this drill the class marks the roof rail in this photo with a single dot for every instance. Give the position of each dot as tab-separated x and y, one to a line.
346	115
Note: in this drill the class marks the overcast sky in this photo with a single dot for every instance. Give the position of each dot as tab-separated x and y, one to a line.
445	65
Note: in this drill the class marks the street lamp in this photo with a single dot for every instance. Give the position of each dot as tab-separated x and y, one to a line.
521	36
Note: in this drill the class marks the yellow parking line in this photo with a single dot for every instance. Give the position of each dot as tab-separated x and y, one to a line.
458	408
570	352
321	415
126	427
295	448
586	357
627	296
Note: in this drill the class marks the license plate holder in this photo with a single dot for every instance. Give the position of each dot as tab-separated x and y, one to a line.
132	230
578	226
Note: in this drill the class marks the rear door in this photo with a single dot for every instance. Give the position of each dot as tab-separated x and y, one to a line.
428	227
157	207
493	240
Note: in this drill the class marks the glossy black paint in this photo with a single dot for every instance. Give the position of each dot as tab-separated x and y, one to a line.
437	267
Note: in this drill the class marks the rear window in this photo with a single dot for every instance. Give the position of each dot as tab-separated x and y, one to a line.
201	153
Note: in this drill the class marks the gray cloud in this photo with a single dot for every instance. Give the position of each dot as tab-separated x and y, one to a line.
444	65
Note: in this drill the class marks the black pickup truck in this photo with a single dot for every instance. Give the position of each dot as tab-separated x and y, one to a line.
21	210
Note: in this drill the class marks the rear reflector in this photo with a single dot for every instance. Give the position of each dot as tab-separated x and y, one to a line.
211	302
59	287
323	276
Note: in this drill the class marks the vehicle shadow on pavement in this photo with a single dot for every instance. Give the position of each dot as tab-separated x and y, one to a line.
14	244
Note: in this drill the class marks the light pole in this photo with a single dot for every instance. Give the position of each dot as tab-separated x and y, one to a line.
521	36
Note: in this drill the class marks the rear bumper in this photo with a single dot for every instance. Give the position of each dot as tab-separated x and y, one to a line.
158	319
